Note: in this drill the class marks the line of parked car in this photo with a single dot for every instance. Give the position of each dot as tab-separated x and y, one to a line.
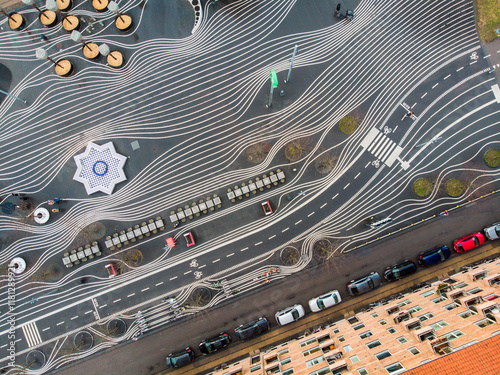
355	287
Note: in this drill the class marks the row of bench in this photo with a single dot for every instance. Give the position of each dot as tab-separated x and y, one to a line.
74	257
259	184
196	209
137	233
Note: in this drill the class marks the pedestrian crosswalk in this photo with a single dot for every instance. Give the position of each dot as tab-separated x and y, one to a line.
31	334
382	147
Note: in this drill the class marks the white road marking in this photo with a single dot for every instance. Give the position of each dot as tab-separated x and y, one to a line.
393	130
423	96
73	318
200	267
88	312
448	76
103	306
173	278
366	166
258	243
335	196
215	261
270	238
347	185
496	92
355	177
473	62
18	340
46	329
117	300
185	273
312	213
130	295
246	248
58	324
298	222
414	104
437	84
284	230
3	346
459	69
230	255
323	205
31	334
143	290
159	283
485	57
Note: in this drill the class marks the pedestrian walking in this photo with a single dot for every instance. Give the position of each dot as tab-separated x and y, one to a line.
57	200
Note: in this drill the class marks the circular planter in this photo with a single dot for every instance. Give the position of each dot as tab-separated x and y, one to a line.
454	187
123	22
422	187
71	23
492	158
289	256
83	340
100	5
48	18
64	68
16	21
116	327
322	250
348	125
64	5
200	297
115	59
91	51
35	360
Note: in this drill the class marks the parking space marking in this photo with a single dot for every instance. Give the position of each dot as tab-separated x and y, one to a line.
284	230
117	300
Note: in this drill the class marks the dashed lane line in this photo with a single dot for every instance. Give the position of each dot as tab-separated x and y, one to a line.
117	300
459	69
298	222
258	243
185	273
246	248
312	213
73	318
131	295
437	84
448	76
323	205
215	261
345	187
173	278
335	196
159	283
229	255
366	166
414	104
355	177
103	306
58	324
143	290
200	267
45	329
88	312
284	230
270	238
423	96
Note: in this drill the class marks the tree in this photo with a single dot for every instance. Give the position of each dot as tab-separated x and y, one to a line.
289	256
325	163
257	153
90	233
131	258
200	297
297	149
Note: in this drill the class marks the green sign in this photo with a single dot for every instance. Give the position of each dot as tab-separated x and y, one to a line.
274	79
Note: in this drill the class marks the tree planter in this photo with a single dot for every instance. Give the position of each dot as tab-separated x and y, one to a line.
16	21
492	158
71	23
454	187
48	18
422	187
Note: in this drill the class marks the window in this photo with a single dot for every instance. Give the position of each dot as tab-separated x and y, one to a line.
395	368
391	330
311	351
404	303
285	361
365	335
322	339
341	339
323	371
438	299
382	322
439	325
461	285
358	326
426	316
402	339
484	323
307	342
454	335
283	352
315	361
288	372
452	306
465	314
354	359
414	351
255	368
414	309
336	330
375	315
362	371
347	348
428	293
475	290
352	320
373	344
490	297
383	355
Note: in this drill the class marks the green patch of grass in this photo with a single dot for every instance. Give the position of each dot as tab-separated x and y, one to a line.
422	187
488	19
492	158
348	125
454	187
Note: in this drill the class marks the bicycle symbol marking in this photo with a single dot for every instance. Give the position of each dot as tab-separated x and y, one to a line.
198	274
193	263
474	56
387	130
376	163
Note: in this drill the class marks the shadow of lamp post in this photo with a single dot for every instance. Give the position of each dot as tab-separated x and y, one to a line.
114	59
16	21
123	22
90	50
63	67
48	18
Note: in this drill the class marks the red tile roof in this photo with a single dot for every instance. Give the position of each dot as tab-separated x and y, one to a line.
482	358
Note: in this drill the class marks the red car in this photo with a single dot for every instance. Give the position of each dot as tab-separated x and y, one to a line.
189	239
468	242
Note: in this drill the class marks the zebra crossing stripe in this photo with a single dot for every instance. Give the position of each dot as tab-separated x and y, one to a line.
387	151
381	146
32	335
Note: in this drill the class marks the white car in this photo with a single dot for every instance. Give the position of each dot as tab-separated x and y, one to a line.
324	301
493	231
290	314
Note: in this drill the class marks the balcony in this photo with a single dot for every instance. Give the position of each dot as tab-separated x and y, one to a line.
478	274
425	333
456	294
402	316
490	310
327	346
492	280
414	323
340	365
470	301
392	309
333	356
441	346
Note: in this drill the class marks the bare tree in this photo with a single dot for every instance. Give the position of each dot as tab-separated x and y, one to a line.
200	297
290	255
298	148
257	153
325	163
131	258
90	233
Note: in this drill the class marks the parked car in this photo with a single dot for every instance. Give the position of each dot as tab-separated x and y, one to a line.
400	270
189	238
170	242
468	242
180	359
365	284
437	255
290	314
266	206
215	343
324	301
493	231
252	329
111	270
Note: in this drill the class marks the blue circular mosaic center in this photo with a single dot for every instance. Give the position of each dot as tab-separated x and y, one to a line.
100	168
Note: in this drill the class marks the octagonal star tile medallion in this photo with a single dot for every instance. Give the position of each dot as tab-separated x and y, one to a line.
99	168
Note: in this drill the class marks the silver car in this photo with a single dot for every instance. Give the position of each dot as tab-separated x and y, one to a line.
493	231
364	284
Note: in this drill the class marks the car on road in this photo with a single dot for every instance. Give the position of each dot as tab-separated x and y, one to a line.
437	255
189	239
324	301
365	284
170	242
183	358
400	270
266	206
290	314
111	270
468	242
252	329
493	231
215	343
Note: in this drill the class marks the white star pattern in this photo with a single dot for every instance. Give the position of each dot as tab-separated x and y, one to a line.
99	168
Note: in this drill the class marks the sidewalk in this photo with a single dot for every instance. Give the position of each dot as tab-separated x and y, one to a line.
493	50
240	350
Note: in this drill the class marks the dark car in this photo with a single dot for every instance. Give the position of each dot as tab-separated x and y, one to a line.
180	359
364	284
252	329
437	255
215	343
468	242
400	270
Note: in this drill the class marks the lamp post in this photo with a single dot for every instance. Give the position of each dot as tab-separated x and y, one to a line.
62	67
90	50
123	22
113	58
274	84
291	63
16	21
13	96
47	17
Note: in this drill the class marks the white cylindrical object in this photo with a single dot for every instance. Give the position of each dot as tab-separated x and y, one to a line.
41	54
104	49
76	36
113	7
51	5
